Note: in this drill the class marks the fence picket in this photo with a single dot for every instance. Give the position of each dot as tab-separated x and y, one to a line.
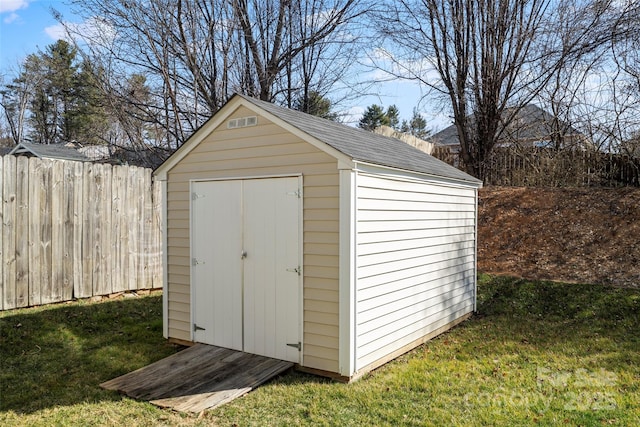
22	232
8	244
79	287
57	232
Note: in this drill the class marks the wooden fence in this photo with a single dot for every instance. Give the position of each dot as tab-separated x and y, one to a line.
542	167
75	230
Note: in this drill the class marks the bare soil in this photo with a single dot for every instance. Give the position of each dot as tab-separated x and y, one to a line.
585	235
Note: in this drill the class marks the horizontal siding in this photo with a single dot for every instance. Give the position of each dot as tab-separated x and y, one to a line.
415	248
264	150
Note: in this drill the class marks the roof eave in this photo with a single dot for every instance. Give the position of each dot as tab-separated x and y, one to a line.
474	182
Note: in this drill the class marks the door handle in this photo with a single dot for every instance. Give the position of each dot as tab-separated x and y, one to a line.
243	254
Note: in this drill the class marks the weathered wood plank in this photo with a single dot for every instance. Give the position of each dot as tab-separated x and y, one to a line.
57	231
35	218
22	232
68	220
156	373
45	195
8	248
7	227
201	377
88	223
155	260
147	221
79	187
118	191
134	229
106	245
241	378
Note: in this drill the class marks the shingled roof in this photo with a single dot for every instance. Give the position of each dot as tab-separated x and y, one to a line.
364	146
357	144
48	151
529	124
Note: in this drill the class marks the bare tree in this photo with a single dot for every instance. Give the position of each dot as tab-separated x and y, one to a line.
488	58
196	53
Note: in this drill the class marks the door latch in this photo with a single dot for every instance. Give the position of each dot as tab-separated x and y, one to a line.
297	345
296	270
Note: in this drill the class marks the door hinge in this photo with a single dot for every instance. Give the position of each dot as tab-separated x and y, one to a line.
197	328
195	196
297	345
296	270
195	261
296	193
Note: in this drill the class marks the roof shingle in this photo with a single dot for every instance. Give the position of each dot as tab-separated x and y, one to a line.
362	145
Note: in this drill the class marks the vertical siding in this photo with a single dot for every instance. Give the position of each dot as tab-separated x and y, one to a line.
262	150
415	261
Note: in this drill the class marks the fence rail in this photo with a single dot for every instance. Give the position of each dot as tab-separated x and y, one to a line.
75	230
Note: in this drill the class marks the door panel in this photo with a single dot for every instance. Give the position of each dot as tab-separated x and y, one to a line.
272	286
217	246
249	303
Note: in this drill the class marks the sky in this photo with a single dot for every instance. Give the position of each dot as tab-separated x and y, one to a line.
28	25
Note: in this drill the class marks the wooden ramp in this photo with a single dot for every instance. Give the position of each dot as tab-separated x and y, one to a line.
198	378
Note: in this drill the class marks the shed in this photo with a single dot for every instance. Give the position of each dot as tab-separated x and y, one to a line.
302	239
48	151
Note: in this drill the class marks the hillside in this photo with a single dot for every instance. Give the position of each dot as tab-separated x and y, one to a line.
587	235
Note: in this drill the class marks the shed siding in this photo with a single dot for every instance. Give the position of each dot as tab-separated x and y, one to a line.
263	150
415	261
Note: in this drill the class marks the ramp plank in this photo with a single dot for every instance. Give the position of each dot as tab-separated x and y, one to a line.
198	378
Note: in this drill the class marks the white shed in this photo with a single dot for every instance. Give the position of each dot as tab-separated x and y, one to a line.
307	240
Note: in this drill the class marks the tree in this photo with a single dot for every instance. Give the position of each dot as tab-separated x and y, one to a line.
393	115
316	105
54	98
417	126
14	100
197	53
373	117
490	58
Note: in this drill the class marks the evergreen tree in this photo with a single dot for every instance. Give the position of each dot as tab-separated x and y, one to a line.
394	116
60	87
87	118
315	104
417	126
373	117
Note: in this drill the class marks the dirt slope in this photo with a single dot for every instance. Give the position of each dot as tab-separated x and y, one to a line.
582	235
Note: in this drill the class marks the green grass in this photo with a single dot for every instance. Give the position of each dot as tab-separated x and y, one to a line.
536	353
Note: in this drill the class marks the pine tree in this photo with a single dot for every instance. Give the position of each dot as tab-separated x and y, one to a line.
417	126
393	114
373	117
316	105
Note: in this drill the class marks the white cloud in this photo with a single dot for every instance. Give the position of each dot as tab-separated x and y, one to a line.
13	5
56	32
92	30
11	18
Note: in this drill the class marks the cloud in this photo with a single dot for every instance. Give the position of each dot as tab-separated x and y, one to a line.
92	30
11	18
56	32
13	5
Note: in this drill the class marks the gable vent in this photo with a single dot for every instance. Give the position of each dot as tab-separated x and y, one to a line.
242	122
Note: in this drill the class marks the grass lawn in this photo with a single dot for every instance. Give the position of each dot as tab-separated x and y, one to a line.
536	353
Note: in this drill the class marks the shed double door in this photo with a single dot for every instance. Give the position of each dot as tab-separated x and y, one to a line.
246	262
